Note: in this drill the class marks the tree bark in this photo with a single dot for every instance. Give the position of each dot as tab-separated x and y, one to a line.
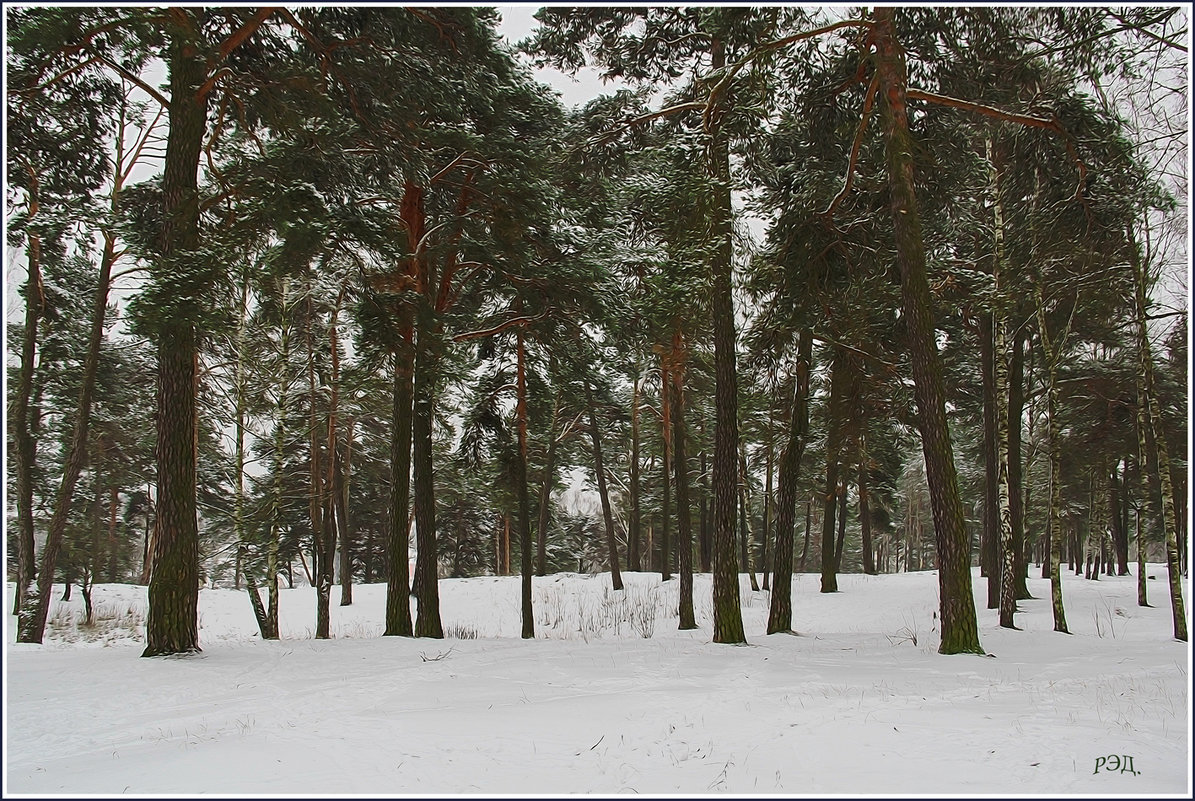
545	494
684	522
728	617
833	453
1017	491
666	477
1051	349
862	482
635	523
960	633
1147	394
1004	413
427	590
780	613
767	502
25	452
524	496
172	624
600	472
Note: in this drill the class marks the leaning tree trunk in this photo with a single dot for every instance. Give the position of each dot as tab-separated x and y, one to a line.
599	470
728	616
35	602
780	613
960	633
1147	394
172	624
680	461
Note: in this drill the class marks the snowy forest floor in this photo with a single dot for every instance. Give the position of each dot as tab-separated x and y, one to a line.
609	698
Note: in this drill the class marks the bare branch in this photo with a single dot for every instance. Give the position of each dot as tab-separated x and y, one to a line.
850	167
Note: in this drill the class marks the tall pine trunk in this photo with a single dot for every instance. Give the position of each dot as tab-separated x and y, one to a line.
172	624
960	633
427	590
780	613
728	617
1004	393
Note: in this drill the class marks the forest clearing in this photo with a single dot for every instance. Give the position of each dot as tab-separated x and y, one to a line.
858	702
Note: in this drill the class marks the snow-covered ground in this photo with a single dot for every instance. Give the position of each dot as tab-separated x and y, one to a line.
609	698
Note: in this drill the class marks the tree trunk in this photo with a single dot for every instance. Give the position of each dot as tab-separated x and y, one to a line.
342	480
316	504
842	496
427	591
1008	462
990	553
960	633
1153	419
704	542
780	613
25	453
745	537
808	521
524	496
767	501
1120	505
1017	492
666	477
398	579
1142	599
833	451
281	411
869	565
684	522
545	494
31	621
600	472
728	618
172	622
635	522
1051	350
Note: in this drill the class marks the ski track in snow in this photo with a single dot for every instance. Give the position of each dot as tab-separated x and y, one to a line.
851	705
